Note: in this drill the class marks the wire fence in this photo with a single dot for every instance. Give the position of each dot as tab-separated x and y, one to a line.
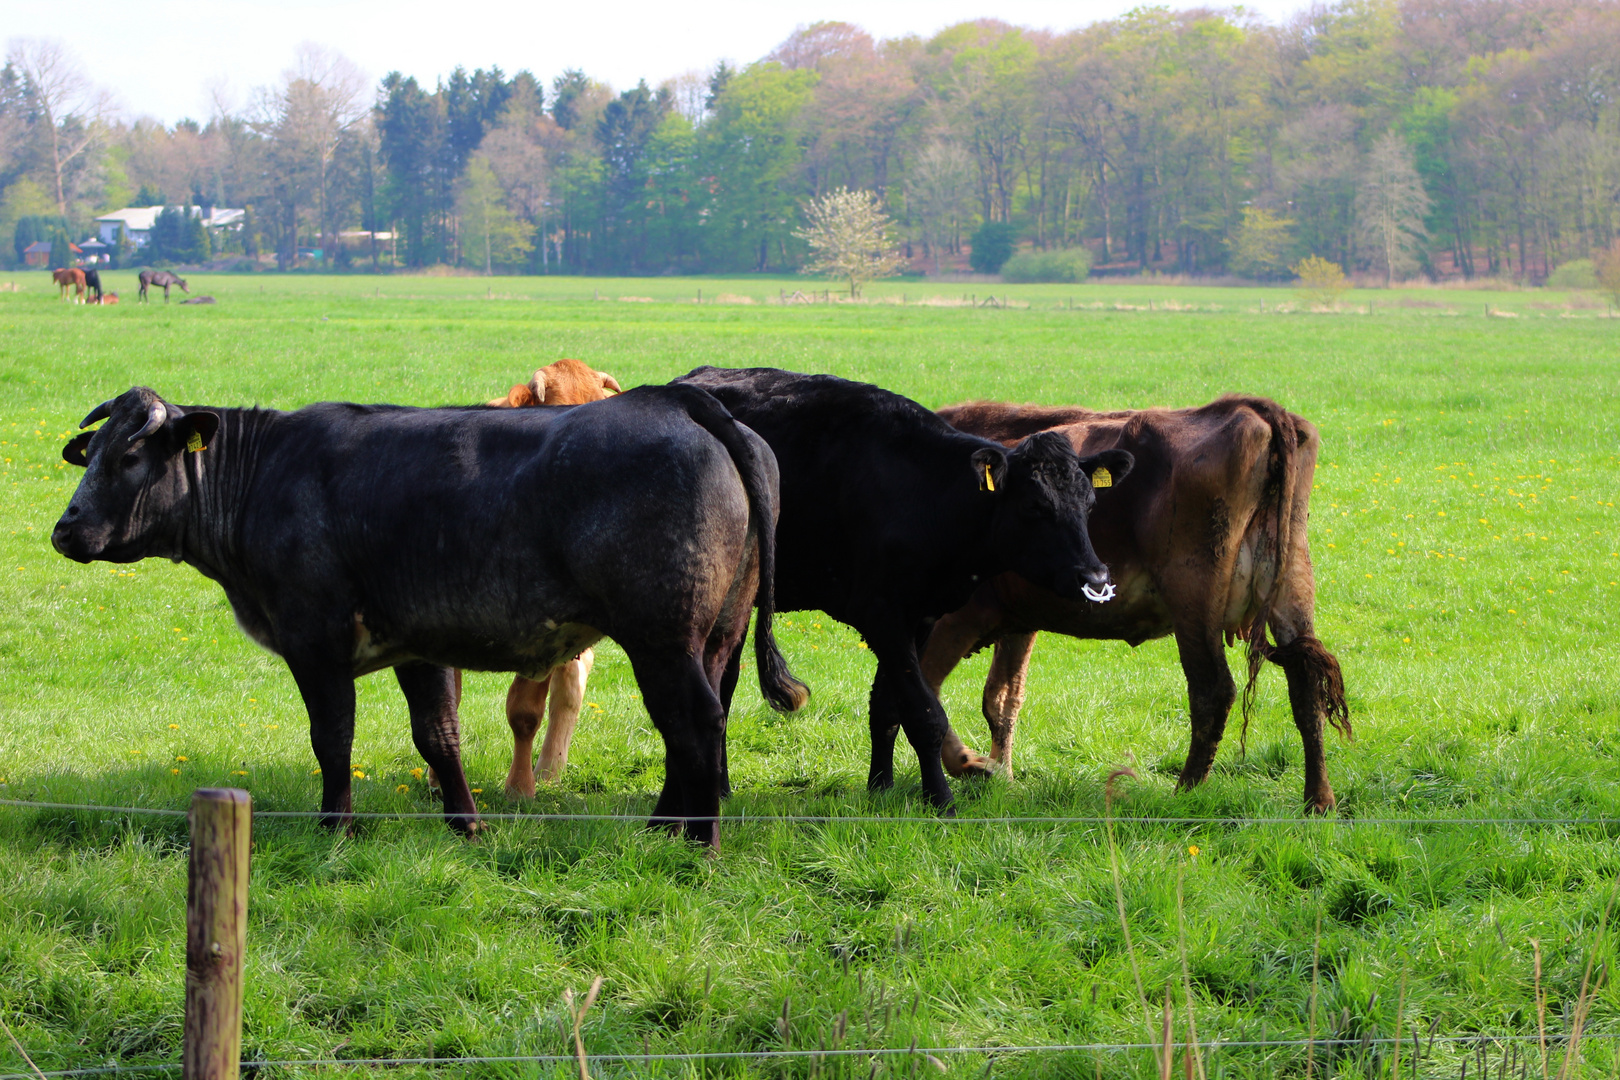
1422	1048
868	819
1366	1043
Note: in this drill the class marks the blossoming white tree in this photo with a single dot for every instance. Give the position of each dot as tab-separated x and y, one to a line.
849	237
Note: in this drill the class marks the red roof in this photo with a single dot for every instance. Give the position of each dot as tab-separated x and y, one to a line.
39	247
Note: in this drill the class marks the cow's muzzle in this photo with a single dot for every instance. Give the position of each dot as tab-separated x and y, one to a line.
72	541
1097	588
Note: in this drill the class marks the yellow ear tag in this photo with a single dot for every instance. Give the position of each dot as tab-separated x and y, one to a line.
1102	478
194	443
989	481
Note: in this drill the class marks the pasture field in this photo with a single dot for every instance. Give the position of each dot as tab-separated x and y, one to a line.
1467	550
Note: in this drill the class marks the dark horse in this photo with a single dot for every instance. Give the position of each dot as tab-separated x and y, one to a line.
92	280
163	278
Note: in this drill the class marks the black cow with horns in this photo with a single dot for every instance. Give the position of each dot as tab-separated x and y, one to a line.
350	538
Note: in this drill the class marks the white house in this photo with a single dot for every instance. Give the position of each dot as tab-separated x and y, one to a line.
139	220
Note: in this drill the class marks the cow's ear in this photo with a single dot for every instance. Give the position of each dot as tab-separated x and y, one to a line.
197	429
73	453
520	397
1107	468
537	386
989	467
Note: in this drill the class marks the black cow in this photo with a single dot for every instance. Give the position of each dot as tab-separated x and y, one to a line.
351	538
92	281
891	518
163	279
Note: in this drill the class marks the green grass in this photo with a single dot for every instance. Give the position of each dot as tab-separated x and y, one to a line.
1465	541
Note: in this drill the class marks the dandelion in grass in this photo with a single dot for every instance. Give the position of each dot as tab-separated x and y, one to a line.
181	757
359	775
239	772
314	772
1193	850
416	774
174	772
174	727
403	788
477	791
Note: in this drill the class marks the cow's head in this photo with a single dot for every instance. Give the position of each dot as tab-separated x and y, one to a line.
1044	496
565	382
135	484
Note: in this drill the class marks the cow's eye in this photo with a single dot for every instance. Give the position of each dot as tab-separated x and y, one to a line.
131	460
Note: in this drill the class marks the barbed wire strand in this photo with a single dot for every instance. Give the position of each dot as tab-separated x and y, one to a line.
627	1058
853	819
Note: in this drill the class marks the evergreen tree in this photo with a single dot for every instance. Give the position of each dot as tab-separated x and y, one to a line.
123	249
61	249
197	245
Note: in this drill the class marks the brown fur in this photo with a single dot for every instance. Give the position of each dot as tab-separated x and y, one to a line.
71	279
1216	489
564	382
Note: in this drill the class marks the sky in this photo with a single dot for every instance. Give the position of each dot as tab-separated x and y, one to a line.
161	57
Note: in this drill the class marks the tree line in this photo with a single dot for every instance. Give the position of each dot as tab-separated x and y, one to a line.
1392	137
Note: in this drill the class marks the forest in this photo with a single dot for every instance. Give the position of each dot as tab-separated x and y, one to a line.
1451	139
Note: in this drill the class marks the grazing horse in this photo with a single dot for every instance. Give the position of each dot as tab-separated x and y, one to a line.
92	280
163	278
71	278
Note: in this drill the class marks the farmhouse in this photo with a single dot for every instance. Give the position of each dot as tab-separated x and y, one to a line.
138	221
39	253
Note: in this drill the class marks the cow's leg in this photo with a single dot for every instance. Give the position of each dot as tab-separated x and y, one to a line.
525	708
567	698
728	687
1315	683
328	693
433	776
430	694
952	640
1004	695
900	698
687	713
1210	694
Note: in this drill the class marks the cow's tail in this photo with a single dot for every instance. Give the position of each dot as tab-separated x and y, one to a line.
1277	522
784	692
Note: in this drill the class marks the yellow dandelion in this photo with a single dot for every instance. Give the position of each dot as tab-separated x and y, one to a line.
358	775
174	772
403	788
174	727
181	757
314	772
239	772
1407	640
477	791
416	774
1193	851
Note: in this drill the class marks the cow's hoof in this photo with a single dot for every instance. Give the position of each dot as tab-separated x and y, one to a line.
519	789
969	763
1320	803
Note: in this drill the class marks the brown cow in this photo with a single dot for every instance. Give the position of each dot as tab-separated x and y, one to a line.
1206	542
70	279
566	382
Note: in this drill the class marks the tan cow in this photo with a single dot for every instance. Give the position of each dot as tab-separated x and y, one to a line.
70	280
1206	542
566	382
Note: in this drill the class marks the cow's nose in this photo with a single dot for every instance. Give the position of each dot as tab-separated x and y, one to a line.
1096	577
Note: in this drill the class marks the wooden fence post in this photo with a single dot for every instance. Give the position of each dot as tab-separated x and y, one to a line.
216	932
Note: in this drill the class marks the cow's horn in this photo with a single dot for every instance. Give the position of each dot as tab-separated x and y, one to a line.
155	418
100	412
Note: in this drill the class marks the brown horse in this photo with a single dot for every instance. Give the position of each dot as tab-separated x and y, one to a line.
162	278
71	278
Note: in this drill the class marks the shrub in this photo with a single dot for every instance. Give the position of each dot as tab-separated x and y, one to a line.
1606	267
1320	281
1575	274
992	245
1057	267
